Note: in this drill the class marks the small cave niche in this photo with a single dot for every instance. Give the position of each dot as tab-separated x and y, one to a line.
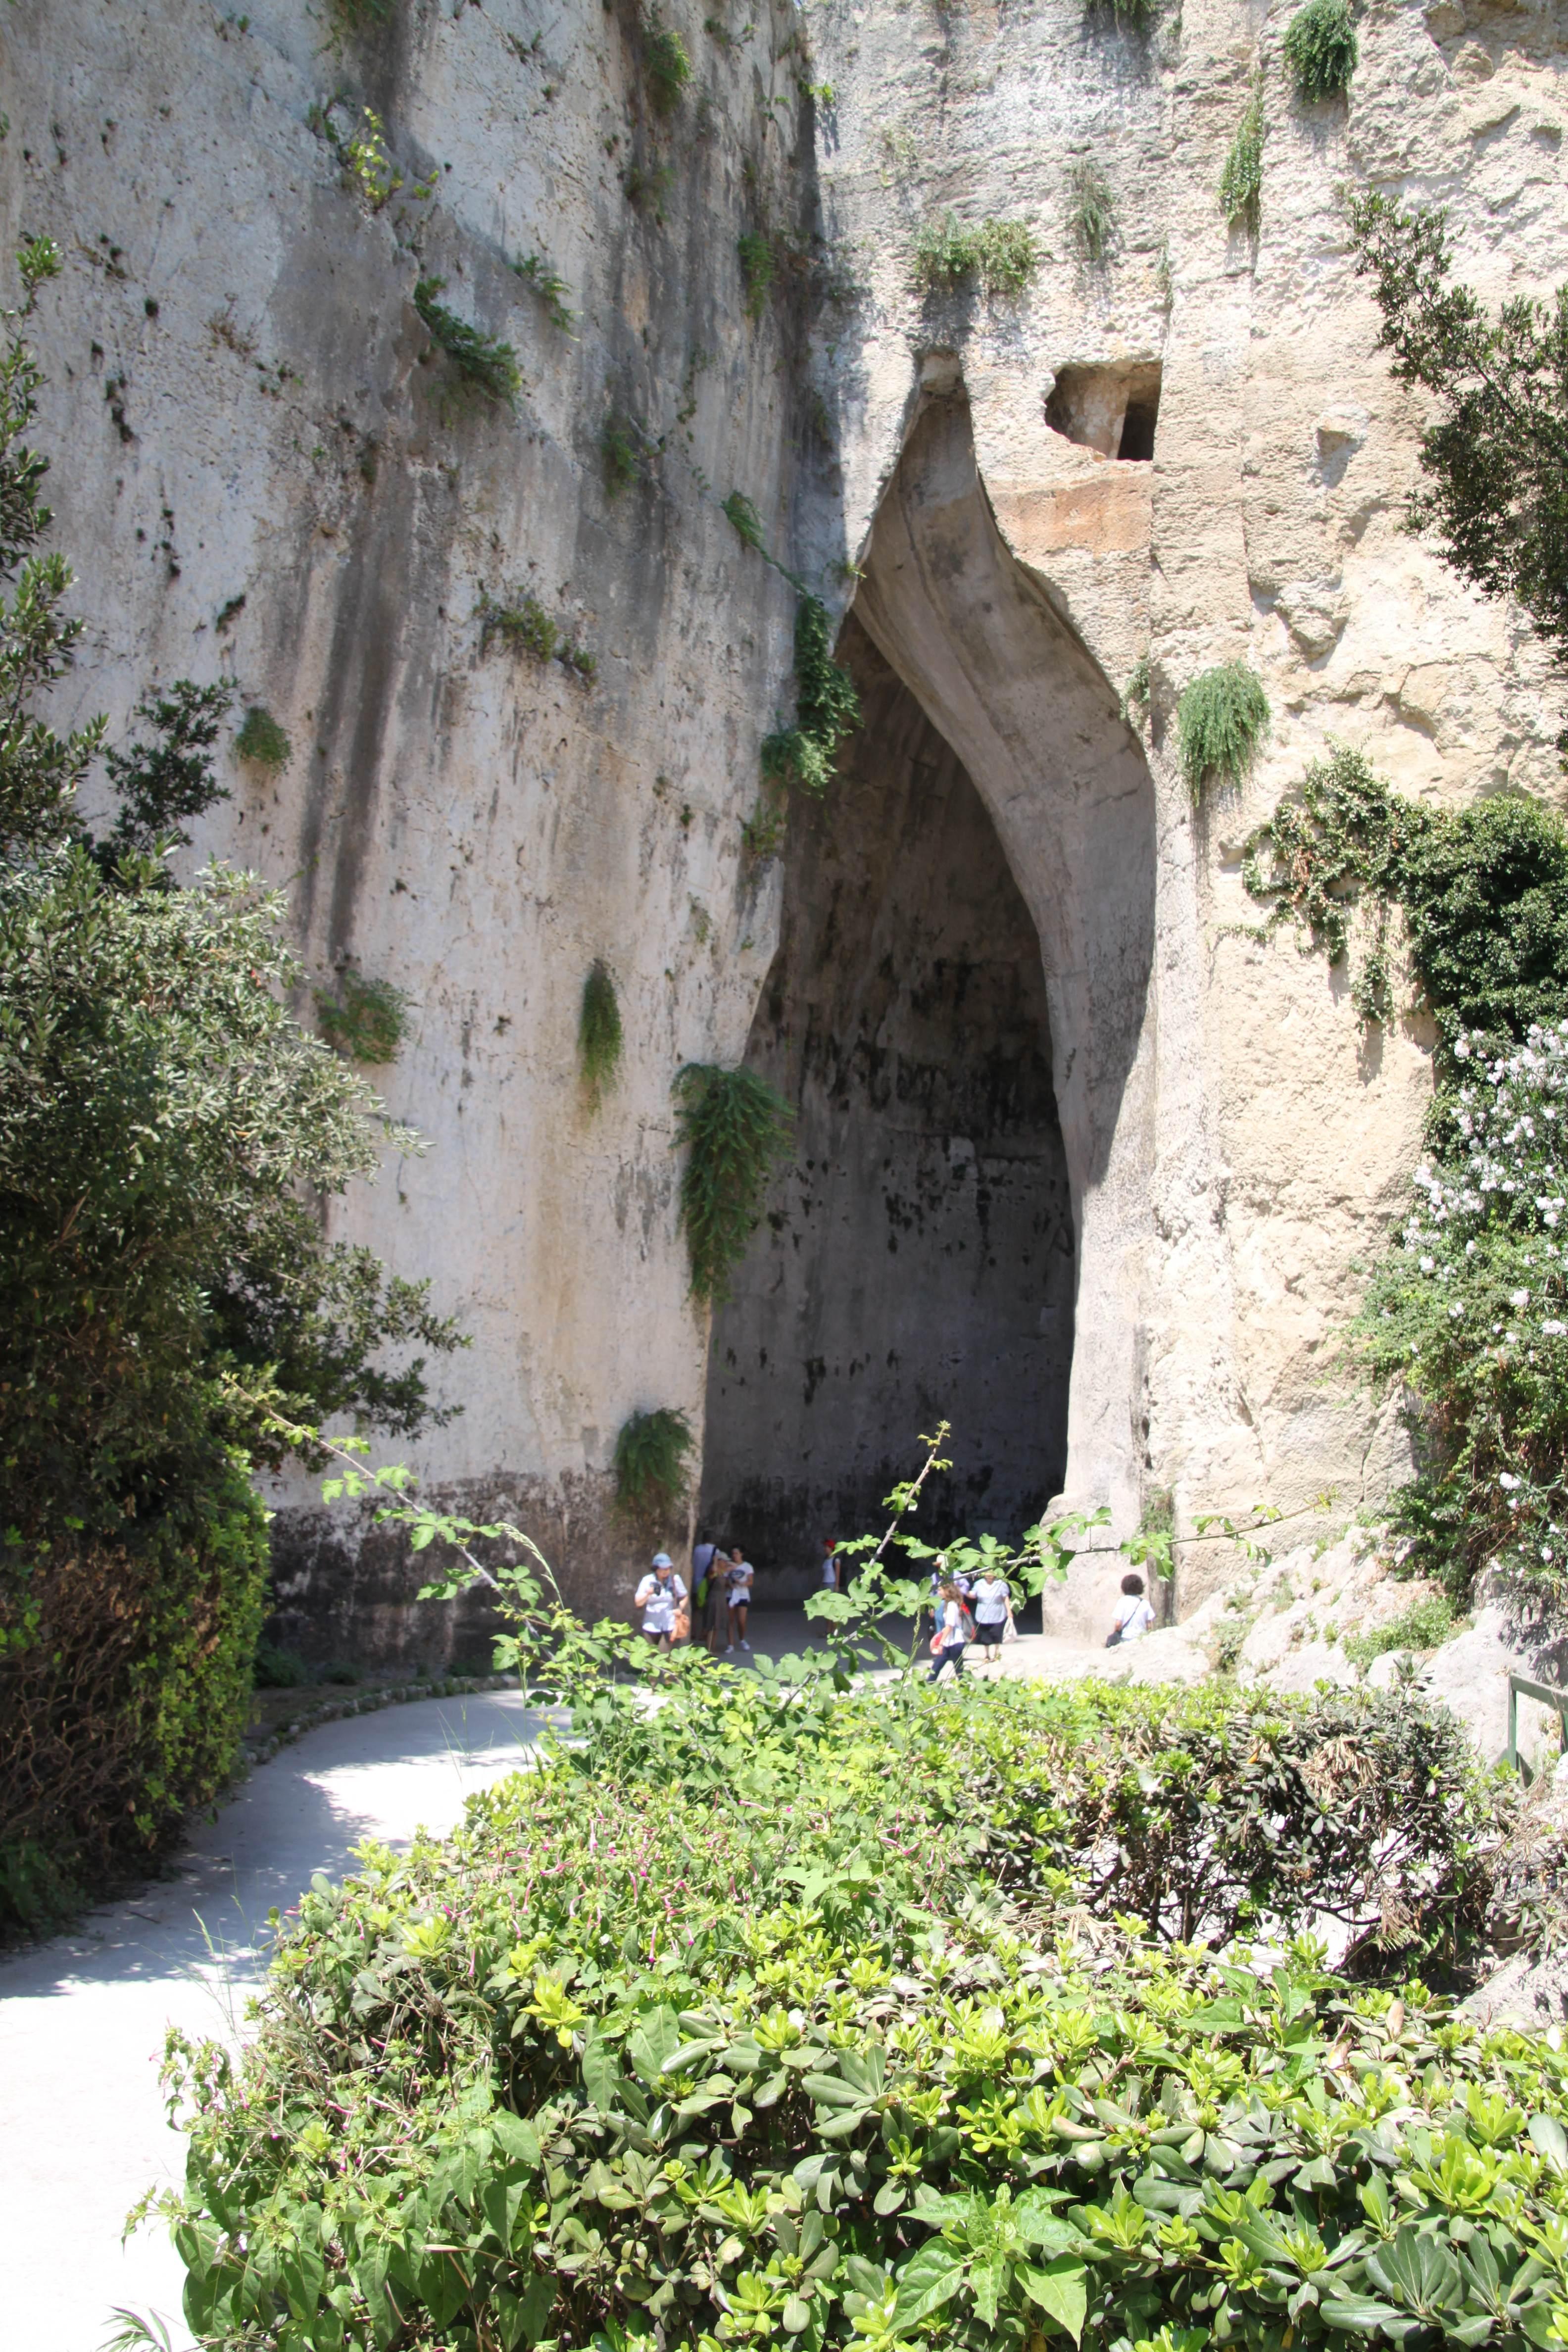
1111	408
917	1258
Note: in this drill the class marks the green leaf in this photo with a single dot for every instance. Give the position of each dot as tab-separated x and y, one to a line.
652	2043
1060	2288
1550	2140
601	2074
1361	2312
928	2280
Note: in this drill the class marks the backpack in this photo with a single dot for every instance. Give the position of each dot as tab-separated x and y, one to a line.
966	1620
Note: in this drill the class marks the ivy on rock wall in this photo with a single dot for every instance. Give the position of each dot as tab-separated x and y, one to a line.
734	1127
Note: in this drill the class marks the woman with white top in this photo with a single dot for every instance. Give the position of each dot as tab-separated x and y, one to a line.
659	1596
741	1575
1136	1617
993	1612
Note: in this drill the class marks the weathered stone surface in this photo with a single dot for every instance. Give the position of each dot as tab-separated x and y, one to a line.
255	476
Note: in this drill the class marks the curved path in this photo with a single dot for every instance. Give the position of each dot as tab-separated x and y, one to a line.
82	2127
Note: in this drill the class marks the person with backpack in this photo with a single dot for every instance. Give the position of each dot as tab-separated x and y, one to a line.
954	1631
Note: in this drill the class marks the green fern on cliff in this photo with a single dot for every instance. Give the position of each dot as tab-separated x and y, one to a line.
650	1463
734	1128
1221	718
1241	182
599	1037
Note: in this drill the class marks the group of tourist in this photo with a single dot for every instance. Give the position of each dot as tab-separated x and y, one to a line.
964	1609
722	1586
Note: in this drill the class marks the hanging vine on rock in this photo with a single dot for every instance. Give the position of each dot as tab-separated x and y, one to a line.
734	1127
1484	892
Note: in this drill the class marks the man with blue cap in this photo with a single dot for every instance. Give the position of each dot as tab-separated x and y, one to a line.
659	1596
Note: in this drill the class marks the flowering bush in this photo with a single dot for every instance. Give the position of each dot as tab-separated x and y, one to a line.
1471	1313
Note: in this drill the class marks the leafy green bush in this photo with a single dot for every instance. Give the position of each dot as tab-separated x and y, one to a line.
668	66
827	708
1241	182
1221	718
998	256
757	270
483	364
1484	891
124	1676
733	1127
1090	209
279	1669
262	739
599	1037
364	1020
167	1133
752	2043
1497	490
1425	1625
1320	50
651	1452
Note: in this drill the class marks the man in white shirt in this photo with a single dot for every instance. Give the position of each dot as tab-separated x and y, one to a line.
993	1606
659	1596
1135	1618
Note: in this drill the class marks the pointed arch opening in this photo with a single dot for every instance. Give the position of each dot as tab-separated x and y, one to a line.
957	1012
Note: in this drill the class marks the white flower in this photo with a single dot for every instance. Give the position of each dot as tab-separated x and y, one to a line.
1508	1482
1519	1298
1455	1310
1426	1265
1554	1330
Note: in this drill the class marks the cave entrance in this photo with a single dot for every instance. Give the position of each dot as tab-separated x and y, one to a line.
916	1262
957	1011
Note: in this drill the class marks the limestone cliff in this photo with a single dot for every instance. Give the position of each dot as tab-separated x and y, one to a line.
1182	453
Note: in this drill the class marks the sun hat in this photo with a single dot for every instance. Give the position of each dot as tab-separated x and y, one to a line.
662	1560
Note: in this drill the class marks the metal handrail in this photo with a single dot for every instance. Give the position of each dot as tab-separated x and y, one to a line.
1547	1695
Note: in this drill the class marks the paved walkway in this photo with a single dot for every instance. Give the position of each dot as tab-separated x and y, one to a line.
82	2129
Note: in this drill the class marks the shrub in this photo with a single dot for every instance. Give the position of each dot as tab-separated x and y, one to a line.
650	1463
827	708
599	1030
645	186
1221	718
1425	1625
352	19
124	1675
998	256
668	66
262	741
551	287
482	364
757	269
1241	182
1091	209
1320	50
168	1133
755	2042
277	1669
1497	491
733	1127
366	1020
1484	891
367	165
523	623
620	453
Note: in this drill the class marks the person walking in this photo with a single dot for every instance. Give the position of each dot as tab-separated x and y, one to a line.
704	1559
831	1580
660	1596
740	1578
993	1613
954	1627
1135	1618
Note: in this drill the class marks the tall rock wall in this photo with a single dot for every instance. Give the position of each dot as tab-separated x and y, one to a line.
260	471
